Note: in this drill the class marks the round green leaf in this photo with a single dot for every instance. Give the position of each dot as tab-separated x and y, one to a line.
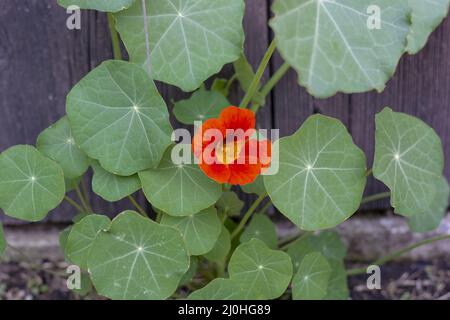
431	218
112	187
298	250
337	284
179	190
321	176
408	159
85	285
230	204
202	105
256	187
30	184
2	241
330	244
221	247
312	278
137	259
119	118
219	289
264	273
189	40
81	237
58	144
331	46
262	228
100	5
200	231
426	16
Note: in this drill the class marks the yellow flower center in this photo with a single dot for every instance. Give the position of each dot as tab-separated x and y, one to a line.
227	153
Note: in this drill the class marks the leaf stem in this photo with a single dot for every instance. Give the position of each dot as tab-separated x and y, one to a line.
86	193
258	75
265	207
247	215
137	206
396	254
73	203
117	52
271	84
376	197
83	202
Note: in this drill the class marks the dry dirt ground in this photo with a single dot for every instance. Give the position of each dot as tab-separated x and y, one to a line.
402	280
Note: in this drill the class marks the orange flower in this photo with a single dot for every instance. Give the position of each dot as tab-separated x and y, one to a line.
226	149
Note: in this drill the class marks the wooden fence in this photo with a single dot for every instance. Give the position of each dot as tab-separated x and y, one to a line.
40	60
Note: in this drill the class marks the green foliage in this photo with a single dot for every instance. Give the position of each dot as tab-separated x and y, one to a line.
311	280
137	259
202	105
81	236
119	118
100	5
221	247
179	189
264	273
321	175
57	143
30	184
262	228
200	231
256	187
408	159
219	289
230	204
189	40
112	187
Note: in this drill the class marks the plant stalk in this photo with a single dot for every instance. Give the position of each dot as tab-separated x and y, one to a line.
376	197
247	215
271	84
258	75
73	203
83	202
117	52
137	206
396	254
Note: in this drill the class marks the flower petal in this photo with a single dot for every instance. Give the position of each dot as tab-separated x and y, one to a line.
236	118
216	171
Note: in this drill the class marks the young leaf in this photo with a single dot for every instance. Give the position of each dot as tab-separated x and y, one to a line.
264	273
58	144
100	5
332	47
298	250
230	204
426	16
119	118
179	190
337	284
311	280
221	247
137	259
256	187
189	40
330	244
431	218
321	175
2	241
408	159
30	184
199	231
81	237
112	187
202	105
262	228
219	289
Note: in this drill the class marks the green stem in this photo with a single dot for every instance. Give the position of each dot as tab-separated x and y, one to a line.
368	172
117	52
83	202
86	194
396	254
137	206
247	215
376	197
230	82
265	207
258	75
73	203
271	84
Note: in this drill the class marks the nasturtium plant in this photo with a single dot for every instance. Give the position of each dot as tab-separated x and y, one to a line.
187	239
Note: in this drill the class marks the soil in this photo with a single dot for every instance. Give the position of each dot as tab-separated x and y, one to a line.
402	280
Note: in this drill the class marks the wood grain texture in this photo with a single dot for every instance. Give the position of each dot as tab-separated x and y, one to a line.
40	60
